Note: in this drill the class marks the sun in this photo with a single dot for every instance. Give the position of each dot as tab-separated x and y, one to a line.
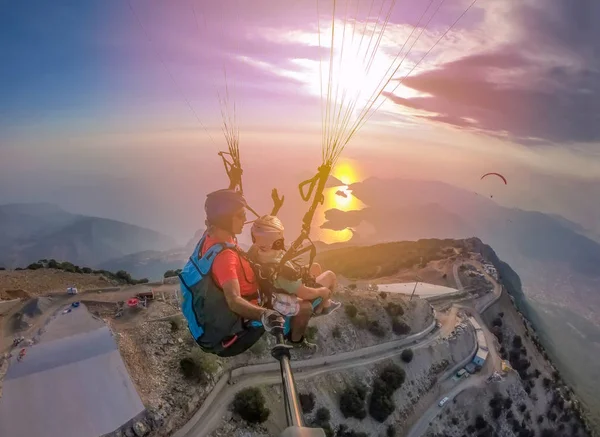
346	172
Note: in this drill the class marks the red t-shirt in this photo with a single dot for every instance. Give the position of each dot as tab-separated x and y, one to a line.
227	266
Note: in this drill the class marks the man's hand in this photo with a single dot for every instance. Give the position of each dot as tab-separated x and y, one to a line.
271	320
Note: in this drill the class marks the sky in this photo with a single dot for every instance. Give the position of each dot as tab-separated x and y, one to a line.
115	108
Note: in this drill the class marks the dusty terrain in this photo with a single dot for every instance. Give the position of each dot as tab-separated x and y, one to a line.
30	283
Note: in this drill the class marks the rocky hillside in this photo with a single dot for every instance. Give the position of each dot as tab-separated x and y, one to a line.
29	232
155	351
31	283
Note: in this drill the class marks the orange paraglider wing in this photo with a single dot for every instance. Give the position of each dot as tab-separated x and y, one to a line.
496	174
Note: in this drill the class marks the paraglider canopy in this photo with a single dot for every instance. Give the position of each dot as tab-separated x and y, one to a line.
495	174
341	194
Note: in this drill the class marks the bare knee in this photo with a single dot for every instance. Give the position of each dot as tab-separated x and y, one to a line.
327	279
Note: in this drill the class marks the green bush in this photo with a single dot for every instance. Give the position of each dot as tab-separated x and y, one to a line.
394	309
382	404
407	355
351	310
171	273
249	404
199	365
393	376
400	327
375	328
352	402
86	270
307	402
336	332
311	333
322	416
35	266
343	431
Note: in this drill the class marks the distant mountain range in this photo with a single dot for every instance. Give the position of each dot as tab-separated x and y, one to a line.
556	260
30	232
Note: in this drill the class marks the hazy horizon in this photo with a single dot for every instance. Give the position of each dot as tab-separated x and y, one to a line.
95	114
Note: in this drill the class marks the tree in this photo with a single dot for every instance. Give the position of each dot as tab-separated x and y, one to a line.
517	342
399	327
393	377
249	404
322	416
382	404
86	270
35	266
375	328
497	322
480	422
352	402
307	401
407	355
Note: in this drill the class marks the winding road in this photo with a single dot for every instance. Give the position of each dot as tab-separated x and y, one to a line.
209	416
494	362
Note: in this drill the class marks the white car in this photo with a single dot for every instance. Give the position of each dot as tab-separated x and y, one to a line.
443	401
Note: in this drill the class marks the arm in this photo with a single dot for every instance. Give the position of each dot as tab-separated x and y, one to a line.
309	293
238	304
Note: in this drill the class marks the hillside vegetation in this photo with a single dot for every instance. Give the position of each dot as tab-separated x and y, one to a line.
386	259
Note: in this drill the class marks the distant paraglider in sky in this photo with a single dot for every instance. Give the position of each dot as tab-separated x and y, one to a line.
495	174
341	194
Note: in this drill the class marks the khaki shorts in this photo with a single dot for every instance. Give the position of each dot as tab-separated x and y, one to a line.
286	304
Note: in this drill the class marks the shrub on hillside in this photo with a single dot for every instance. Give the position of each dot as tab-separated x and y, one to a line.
407	355
249	404
383	294
307	401
352	402
311	333
171	273
390	431
393	376
198	365
382	403
400	327
343	431
351	310
375	328
394	309
86	270
322	416
480	423
352	286
336	332
517	342
35	266
497	322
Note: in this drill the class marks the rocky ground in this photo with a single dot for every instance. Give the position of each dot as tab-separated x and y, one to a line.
152	350
528	401
422	373
31	283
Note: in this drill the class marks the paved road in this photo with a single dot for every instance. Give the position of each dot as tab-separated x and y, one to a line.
209	416
493	364
421	426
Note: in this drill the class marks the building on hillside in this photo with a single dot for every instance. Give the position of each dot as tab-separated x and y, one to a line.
480	357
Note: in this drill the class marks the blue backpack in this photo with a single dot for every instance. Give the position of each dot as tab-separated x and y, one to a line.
210	321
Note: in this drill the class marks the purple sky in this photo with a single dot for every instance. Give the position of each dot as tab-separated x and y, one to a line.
105	99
